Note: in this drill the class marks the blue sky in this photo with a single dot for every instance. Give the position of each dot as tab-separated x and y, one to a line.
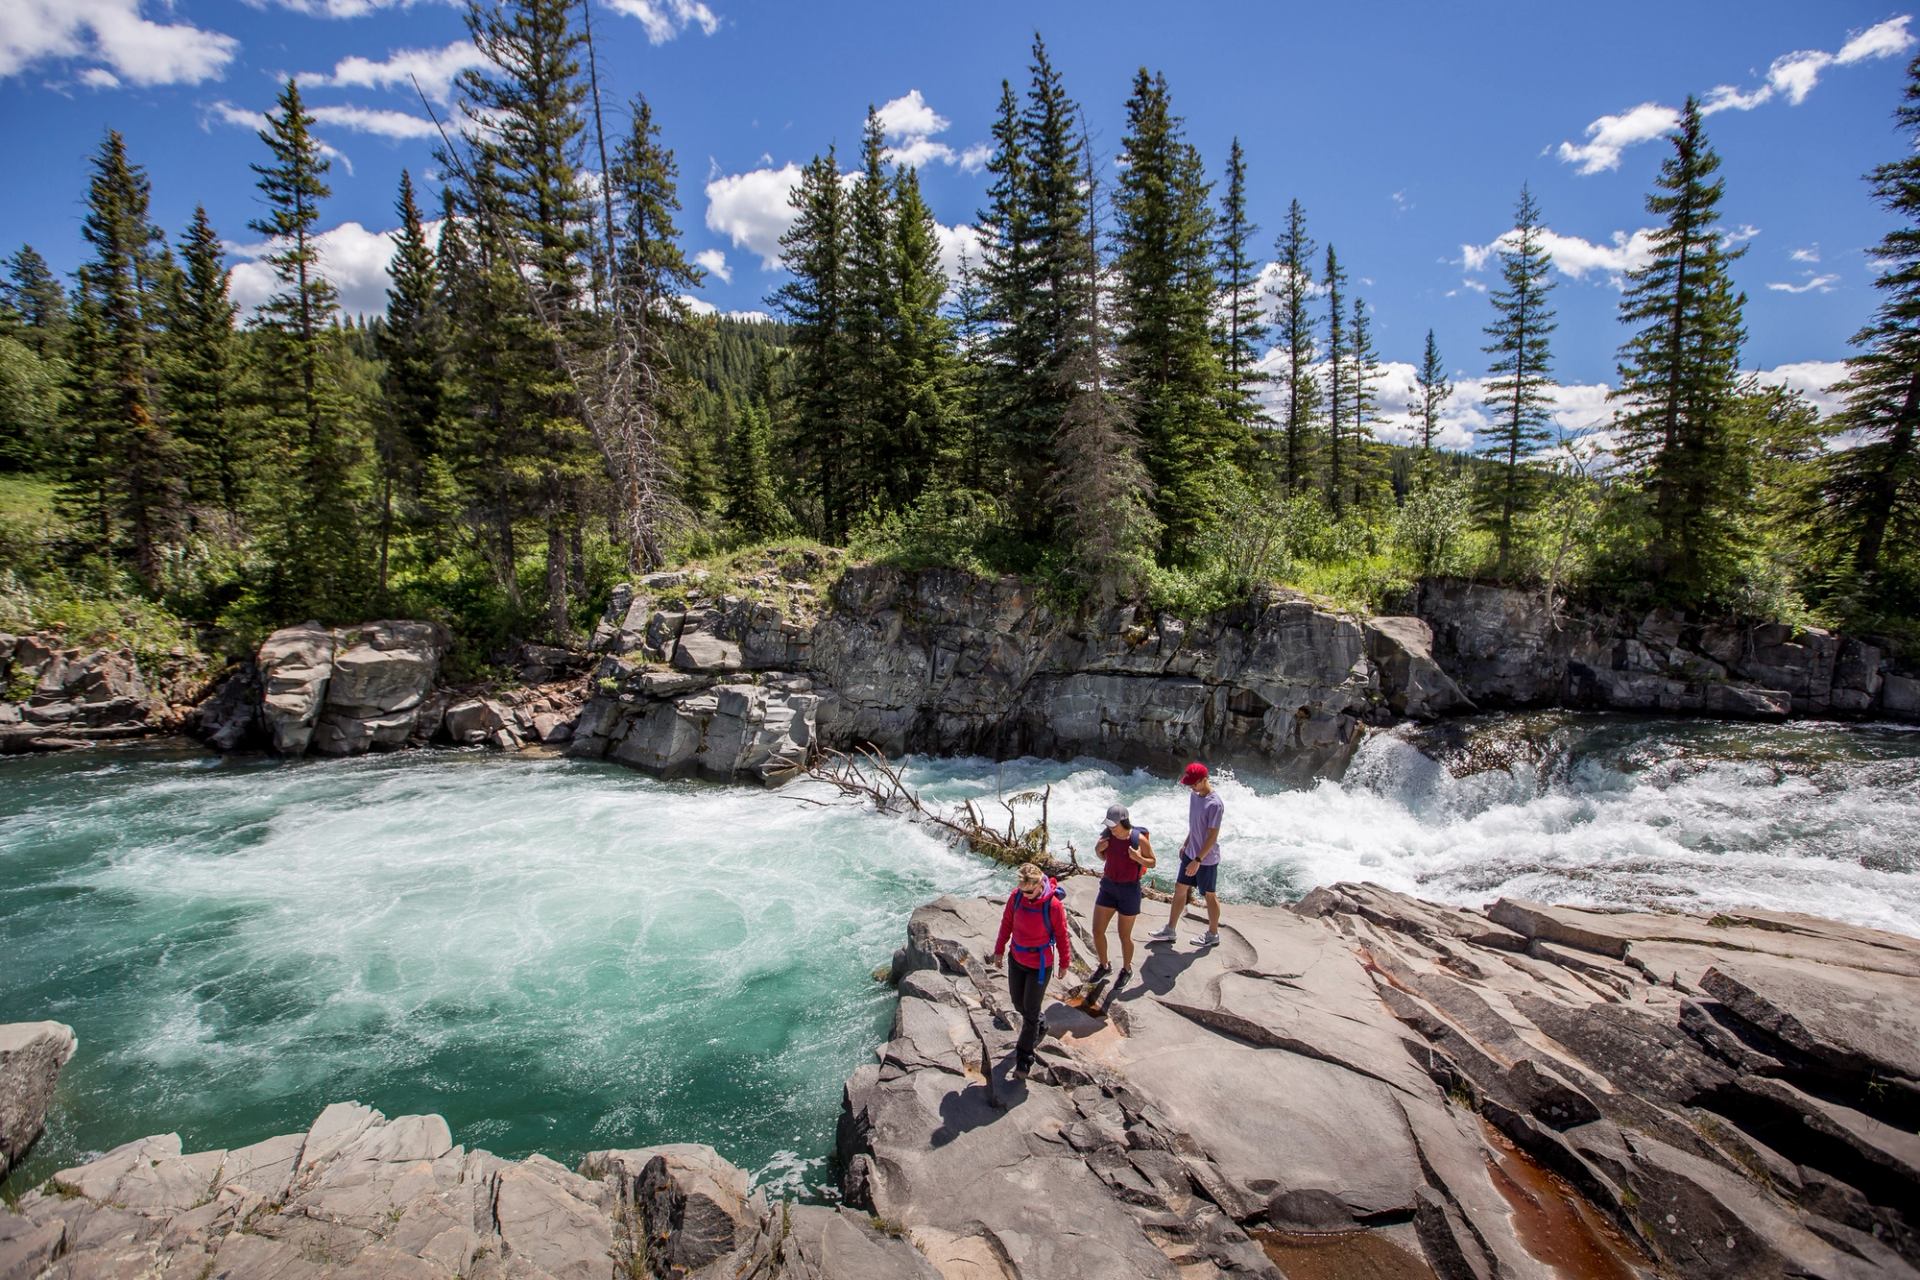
1405	129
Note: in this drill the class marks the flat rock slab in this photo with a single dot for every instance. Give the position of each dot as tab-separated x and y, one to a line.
31	1055
1868	1023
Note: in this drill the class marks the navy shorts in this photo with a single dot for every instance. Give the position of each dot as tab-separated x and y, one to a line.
1207	877
1124	898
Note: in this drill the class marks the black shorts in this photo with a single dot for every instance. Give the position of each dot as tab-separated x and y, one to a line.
1124	898
1204	880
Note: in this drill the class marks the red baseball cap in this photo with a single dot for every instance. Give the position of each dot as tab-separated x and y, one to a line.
1196	772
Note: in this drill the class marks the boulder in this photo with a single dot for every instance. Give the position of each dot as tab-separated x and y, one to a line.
31	1055
229	718
1900	697
382	673
703	652
295	666
473	721
1402	652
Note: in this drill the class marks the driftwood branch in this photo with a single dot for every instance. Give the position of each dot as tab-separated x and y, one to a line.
866	774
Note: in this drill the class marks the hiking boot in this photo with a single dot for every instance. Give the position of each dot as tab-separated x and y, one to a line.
1207	939
1020	1070
1100	972
1161	935
1126	976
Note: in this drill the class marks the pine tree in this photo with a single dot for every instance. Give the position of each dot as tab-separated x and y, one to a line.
313	537
1364	468
1098	482
1293	291
871	374
1243	327
645	177
963	460
814	301
1338	388
1518	397
920	411
1011	408
1874	487
1679	372
1432	390
34	294
415	346
530	93
1165	298
753	503
127	474
201	371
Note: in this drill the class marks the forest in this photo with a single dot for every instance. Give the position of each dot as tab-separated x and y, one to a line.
1112	399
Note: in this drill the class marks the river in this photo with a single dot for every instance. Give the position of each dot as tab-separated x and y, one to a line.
561	956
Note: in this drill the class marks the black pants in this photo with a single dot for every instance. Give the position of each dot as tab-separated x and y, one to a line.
1027	987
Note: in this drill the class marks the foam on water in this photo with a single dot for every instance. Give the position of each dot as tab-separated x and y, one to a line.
561	956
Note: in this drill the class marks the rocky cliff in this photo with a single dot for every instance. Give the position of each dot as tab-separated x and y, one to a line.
1508	648
54	696
946	662
1361	1085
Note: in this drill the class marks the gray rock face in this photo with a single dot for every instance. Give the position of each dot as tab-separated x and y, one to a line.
1504	650
1655	1093
361	1195
948	662
31	1055
70	697
349	690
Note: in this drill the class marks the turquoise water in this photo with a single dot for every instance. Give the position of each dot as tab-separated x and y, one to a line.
561	956
556	956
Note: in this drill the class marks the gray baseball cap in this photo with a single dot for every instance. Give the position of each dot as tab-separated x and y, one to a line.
1117	814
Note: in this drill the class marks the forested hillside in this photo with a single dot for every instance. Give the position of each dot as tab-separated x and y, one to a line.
1111	397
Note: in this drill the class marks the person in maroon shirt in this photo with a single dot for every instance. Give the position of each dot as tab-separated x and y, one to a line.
1035	922
1128	854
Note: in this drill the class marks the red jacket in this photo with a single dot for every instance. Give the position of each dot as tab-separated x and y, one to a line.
1033	926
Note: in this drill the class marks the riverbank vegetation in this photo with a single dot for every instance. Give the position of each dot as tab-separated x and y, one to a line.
1113	396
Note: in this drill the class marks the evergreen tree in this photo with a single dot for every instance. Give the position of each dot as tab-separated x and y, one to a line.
530	93
414	344
1874	487
871	374
814	301
1241	316
920	412
1098	483
1679	372
1364	470
1338	387
1011	405
1165	297
1432	390
313	536
1518	396
645	179
1293	291
201	371
963	461
753	503
33	293
127	473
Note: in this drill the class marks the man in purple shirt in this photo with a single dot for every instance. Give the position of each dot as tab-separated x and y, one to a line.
1199	856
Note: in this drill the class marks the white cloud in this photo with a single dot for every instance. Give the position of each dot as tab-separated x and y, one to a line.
1811	254
1573	256
338	8
113	35
975	157
665	19
435	70
352	257
701	307
1608	136
374	120
956	242
752	209
909	116
1812	378
715	261
1791	76
1813	283
914	153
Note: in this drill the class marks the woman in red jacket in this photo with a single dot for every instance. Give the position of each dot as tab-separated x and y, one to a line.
1036	922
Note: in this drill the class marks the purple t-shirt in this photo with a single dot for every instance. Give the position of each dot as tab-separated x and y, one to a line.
1203	815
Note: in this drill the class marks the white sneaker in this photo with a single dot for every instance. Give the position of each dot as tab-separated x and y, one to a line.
1208	939
1161	935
